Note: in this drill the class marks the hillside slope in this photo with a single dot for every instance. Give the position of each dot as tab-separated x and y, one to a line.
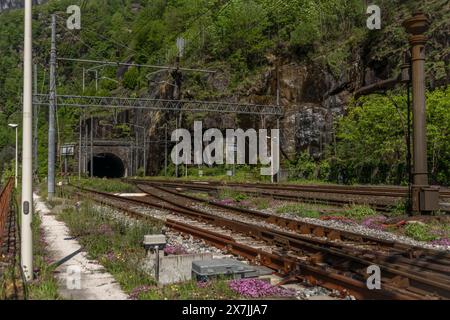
318	52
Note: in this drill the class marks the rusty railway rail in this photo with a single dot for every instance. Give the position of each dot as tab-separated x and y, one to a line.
388	191
5	210
401	281
330	234
383	198
9	244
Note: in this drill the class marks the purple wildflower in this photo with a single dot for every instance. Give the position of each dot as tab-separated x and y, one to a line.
110	256
442	242
375	223
203	284
174	250
256	288
134	295
227	202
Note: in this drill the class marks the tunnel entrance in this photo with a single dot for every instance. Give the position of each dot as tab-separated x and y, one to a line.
107	165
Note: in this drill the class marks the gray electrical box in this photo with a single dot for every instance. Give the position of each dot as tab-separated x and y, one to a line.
203	270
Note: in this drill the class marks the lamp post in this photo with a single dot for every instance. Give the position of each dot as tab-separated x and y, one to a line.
27	148
16	126
422	196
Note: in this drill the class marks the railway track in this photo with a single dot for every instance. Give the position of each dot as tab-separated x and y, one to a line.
330	258
8	242
382	199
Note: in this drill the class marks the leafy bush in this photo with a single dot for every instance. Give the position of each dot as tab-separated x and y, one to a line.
419	232
359	212
131	79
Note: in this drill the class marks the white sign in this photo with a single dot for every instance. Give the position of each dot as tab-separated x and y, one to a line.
181	43
68	150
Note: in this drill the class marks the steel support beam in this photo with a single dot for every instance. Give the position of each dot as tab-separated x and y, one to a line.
159	104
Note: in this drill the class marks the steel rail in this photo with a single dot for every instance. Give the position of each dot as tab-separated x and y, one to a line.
420	284
297	192
331	234
385	191
300	243
284	265
5	208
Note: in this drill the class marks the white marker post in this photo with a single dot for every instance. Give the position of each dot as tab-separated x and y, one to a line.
16	165
27	163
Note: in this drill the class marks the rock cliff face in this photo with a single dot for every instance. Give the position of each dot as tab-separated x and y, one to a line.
15	4
312	98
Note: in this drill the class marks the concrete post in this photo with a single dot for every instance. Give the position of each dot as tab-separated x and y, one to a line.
16	172
35	124
80	136
92	147
416	27
165	153
27	152
51	117
145	152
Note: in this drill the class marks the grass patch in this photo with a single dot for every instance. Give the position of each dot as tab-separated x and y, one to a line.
358	212
399	209
44	286
261	203
104	185
227	193
191	290
419	232
114	244
117	246
300	210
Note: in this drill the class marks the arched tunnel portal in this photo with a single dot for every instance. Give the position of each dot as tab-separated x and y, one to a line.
107	165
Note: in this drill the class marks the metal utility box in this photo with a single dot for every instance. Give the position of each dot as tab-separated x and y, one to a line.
429	199
155	240
203	270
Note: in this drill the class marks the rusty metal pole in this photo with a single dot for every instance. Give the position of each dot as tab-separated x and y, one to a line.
416	27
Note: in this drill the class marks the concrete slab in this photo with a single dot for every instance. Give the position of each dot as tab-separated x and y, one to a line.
137	195
79	278
174	269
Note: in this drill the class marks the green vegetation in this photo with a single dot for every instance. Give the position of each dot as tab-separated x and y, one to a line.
371	146
228	193
299	209
261	203
420	232
45	285
105	186
358	212
239	38
215	290
117	246
111	242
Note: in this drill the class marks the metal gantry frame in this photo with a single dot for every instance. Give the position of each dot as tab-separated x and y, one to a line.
159	104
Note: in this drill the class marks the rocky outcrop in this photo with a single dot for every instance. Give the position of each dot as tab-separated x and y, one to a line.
312	98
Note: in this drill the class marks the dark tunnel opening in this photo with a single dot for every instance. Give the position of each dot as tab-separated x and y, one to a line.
107	165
